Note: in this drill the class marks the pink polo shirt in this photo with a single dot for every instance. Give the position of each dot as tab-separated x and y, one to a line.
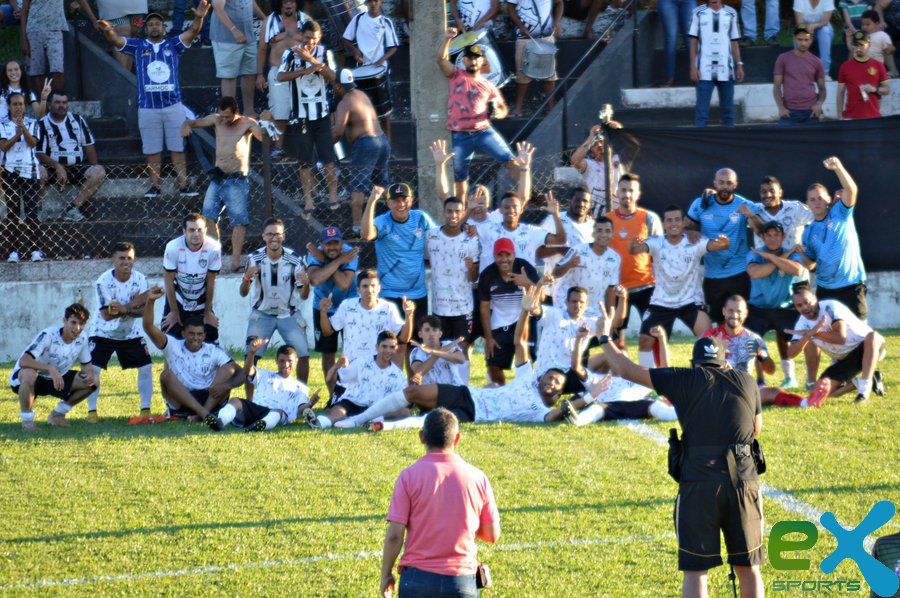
467	104
442	501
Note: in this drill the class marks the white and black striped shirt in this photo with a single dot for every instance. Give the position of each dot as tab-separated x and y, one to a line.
274	290
64	141
20	158
275	24
309	93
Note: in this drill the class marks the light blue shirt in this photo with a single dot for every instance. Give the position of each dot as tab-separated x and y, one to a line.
400	249
773	291
329	287
723	219
834	245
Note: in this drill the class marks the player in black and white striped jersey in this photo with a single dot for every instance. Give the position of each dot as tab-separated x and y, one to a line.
67	151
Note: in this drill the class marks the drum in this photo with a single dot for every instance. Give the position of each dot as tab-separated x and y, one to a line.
540	59
494	70
373	80
464	40
339	14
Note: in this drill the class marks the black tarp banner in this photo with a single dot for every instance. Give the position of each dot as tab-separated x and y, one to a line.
676	164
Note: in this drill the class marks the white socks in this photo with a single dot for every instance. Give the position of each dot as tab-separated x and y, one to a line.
392	402
227	414
645	359
63	407
324	422
787	366
145	385
92	399
26	416
660	410
272	419
590	414
405	423
863	386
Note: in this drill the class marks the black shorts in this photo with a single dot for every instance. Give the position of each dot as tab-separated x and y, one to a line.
200	395
503	356
853	297
763	319
251	413
477	329
454	327
349	406
665	316
76	174
702	509
315	141
212	333
457	400
44	386
421	310
132	353
640	300
717	290
627	409
845	369
323	344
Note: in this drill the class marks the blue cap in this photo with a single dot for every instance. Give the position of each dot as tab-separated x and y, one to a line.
331	233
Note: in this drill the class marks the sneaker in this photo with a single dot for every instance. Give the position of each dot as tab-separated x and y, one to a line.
878	383
152	193
73	214
810	385
214	422
773	41
205	42
309	416
819	393
58	419
145	412
188	192
29	426
277	153
377	426
37	256
93	418
789	383
746	42
569	412
13	257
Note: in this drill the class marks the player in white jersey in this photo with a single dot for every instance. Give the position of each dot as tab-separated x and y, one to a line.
793	215
365	380
279	396
192	262
579	227
363	318
593	266
679	281
436	361
45	368
121	294
558	330
200	375
527	238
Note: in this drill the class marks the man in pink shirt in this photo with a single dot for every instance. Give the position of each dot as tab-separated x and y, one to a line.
799	83
472	103
441	503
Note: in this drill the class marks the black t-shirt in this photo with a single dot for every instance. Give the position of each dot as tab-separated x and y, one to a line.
505	296
715	407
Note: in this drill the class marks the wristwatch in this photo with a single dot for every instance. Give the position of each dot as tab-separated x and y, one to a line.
603	340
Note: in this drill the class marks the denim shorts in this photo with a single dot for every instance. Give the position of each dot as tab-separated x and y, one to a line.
416	583
488	141
369	157
262	325
231	195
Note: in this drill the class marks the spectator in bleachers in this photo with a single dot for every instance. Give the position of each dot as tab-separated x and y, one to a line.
534	19
880	46
280	32
716	59
160	111
126	17
890	10
67	151
851	13
771	27
675	15
21	180
11	13
862	80
304	69
585	10
13	80
474	15
41	37
588	160
818	20
799	82
234	47
370	38
178	11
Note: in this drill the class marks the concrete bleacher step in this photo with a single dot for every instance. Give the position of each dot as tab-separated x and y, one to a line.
108	126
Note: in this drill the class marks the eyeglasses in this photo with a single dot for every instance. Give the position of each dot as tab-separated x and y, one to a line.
273	235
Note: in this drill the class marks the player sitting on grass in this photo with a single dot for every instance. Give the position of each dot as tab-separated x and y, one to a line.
45	368
200	375
435	361
278	398
364	379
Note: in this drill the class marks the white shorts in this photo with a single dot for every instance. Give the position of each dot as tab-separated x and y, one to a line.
158	125
279	96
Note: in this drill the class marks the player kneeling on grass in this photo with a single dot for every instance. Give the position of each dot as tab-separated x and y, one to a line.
200	375
45	368
364	379
278	398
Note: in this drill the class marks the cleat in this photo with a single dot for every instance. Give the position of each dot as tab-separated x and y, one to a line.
860	399
377	426
29	426
309	416
819	393
789	383
58	419
569	412
214	422
145	412
93	418
259	426
878	383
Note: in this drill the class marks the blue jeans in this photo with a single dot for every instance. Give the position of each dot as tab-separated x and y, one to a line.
675	15
178	8
228	194
748	17
261	325
798	117
415	583
726	102
824	36
369	156
487	140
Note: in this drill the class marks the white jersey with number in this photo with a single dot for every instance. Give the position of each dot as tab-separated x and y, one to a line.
527	239
110	288
366	381
49	348
195	369
361	326
276	392
191	268
678	271
835	311
794	216
443	371
715	30
596	273
517	401
451	290
557	338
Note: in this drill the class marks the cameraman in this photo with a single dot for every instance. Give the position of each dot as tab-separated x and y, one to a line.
720	414
443	503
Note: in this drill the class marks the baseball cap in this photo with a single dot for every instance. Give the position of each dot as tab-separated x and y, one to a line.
151	15
347	79
473	50
331	233
504	245
773	224
709	350
860	37
398	190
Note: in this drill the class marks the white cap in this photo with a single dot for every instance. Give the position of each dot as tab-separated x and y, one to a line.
347	79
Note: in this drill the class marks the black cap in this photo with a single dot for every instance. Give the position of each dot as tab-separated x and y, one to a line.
400	189
151	15
473	50
860	37
773	224
709	350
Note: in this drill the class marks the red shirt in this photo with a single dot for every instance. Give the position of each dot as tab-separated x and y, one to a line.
442	501
467	106
854	73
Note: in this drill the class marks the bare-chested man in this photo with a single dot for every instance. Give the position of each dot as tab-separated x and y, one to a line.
369	147
229	185
280	32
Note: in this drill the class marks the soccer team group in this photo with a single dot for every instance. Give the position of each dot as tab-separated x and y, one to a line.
407	339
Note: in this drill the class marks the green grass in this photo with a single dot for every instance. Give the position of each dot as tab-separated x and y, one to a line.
584	512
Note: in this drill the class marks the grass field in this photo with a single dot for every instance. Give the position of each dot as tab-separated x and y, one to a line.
176	509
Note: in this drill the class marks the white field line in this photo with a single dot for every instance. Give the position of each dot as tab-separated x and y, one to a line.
50	583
